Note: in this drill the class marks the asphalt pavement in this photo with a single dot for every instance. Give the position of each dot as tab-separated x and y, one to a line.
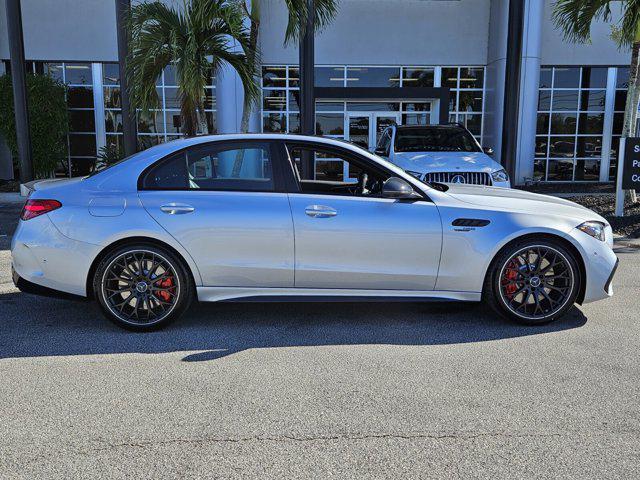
319	390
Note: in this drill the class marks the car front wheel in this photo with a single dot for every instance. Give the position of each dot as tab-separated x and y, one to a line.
533	281
142	287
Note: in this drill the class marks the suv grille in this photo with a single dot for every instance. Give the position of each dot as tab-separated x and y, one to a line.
471	178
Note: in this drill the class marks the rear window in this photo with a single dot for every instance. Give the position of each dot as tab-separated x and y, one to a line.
244	167
435	140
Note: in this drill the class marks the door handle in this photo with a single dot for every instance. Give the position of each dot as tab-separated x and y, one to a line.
320	211
176	208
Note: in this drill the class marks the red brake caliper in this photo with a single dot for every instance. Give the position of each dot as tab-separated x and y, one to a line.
166	283
510	276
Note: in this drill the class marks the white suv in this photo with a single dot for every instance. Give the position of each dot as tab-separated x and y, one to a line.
441	153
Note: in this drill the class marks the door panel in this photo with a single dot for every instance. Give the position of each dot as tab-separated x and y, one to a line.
365	243
238	239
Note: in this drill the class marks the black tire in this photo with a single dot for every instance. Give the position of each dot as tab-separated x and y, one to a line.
512	290
118	287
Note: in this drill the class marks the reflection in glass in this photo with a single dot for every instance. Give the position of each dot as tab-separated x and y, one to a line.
329	124
274	100
591	123
566	77
563	123
565	100
593	100
417	77
594	77
78	73
560	170
373	76
545	78
274	123
562	146
329	76
274	77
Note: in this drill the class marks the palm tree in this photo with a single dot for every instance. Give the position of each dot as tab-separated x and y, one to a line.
574	18
324	13
198	40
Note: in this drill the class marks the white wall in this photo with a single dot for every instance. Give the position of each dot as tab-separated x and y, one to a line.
65	30
400	32
601	51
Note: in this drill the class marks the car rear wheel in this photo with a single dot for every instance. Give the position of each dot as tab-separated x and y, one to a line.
533	282
142	287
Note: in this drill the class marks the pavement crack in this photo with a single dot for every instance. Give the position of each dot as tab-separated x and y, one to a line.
324	438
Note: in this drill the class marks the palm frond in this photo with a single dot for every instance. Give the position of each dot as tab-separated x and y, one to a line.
198	39
575	17
324	13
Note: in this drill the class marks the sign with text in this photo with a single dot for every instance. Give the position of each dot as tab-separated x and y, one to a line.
631	164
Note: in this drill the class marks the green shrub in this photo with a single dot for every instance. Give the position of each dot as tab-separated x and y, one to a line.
48	121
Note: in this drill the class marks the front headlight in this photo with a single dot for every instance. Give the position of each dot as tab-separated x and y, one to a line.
500	176
418	175
595	229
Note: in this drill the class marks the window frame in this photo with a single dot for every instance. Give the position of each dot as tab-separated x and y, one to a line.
275	154
293	182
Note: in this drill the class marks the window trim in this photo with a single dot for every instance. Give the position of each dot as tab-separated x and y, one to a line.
274	152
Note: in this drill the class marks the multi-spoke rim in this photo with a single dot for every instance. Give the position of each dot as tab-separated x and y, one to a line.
536	282
140	287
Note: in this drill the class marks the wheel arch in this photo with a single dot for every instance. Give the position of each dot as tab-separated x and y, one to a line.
568	244
128	241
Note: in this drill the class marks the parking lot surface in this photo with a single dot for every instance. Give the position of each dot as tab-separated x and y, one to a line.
348	390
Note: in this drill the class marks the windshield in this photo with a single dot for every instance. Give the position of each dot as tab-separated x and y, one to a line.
435	139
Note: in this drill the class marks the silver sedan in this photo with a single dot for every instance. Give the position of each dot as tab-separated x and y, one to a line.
246	217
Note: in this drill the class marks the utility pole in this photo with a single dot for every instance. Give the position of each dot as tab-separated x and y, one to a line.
18	78
129	129
307	81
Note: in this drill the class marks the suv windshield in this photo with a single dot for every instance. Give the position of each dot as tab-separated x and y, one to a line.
435	139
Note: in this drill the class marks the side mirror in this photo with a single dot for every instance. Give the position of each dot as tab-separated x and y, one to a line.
396	187
487	150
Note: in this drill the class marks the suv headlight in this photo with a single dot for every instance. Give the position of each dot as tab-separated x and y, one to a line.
418	175
595	229
500	176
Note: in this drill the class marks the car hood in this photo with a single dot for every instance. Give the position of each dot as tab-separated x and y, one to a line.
521	201
424	162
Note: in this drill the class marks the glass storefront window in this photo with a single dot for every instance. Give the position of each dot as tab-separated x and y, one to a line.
373	77
418	77
570	124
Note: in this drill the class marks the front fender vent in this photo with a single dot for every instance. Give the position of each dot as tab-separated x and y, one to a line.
470	222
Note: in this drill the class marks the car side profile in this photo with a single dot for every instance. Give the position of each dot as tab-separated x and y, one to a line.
441	153
243	217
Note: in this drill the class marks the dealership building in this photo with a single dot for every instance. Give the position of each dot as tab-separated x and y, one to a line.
555	109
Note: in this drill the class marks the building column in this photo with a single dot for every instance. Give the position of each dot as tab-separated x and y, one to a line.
495	77
20	101
229	100
529	84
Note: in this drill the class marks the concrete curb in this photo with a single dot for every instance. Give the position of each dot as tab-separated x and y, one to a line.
621	241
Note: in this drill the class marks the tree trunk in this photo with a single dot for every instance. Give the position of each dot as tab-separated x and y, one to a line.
254	31
254	17
631	108
203	128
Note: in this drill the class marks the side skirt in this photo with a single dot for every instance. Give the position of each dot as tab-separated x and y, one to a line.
241	294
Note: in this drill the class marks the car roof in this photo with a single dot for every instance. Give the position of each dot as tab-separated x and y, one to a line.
430	127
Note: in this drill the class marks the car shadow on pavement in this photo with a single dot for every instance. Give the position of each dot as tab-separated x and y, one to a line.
33	326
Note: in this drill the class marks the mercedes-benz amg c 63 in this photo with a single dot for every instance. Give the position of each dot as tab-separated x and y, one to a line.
239	217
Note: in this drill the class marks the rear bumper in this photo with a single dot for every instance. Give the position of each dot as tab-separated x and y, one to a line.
29	287
42	256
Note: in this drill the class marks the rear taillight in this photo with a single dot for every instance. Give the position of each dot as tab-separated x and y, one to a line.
35	208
